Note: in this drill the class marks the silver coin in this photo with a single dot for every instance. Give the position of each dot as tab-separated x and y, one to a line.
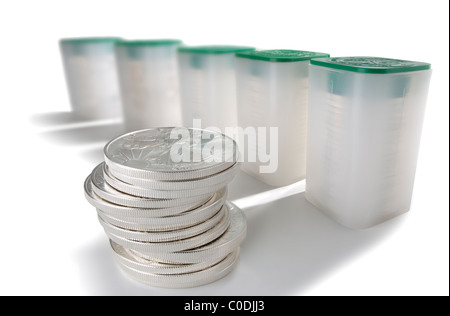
167	223
127	258
159	194
163	236
229	241
108	193
168	220
123	212
173	246
149	154
223	177
184	280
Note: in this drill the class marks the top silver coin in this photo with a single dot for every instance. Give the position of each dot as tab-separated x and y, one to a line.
171	154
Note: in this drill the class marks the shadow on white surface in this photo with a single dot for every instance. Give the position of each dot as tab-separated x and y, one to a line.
84	134
290	245
57	118
67	128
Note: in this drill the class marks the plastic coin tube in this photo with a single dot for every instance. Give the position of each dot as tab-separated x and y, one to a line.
148	78
208	85
364	126
91	76
272	91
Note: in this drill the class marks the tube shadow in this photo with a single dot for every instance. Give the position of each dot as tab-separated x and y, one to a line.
84	134
290	245
58	118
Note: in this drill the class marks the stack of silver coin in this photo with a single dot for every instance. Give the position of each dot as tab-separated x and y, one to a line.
161	197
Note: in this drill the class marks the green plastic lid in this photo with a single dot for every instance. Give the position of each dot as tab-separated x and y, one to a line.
281	55
373	65
214	49
90	40
152	42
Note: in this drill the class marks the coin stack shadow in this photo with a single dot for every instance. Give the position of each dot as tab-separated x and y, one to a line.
167	229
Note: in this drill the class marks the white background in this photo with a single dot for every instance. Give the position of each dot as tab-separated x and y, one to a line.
51	240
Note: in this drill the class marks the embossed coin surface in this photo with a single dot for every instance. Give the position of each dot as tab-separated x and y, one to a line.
170	153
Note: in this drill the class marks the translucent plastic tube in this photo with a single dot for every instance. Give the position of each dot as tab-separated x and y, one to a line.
364	126
91	76
272	91
149	83
208	85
